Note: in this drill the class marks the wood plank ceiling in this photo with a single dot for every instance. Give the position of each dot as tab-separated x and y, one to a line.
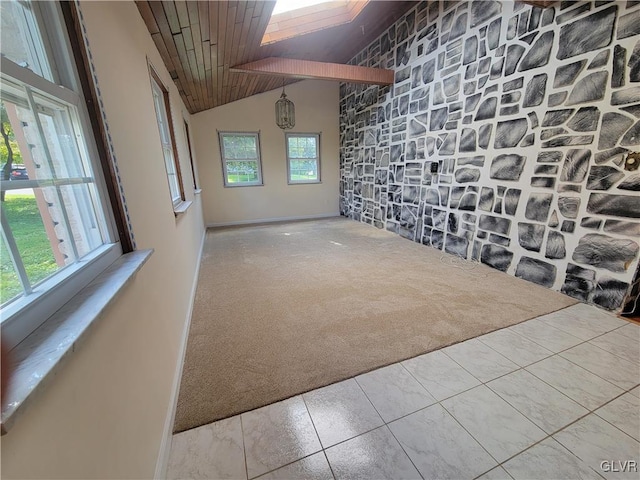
200	41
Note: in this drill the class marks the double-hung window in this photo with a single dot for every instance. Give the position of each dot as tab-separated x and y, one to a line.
303	157
193	168
167	139
240	154
58	229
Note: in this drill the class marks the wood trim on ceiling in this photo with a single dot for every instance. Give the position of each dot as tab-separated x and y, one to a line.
200	41
293	68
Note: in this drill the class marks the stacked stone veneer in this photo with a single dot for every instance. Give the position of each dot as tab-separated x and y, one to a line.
505	139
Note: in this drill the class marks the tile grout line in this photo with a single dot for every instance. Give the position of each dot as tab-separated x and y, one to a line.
548	326
593	335
562	393
244	449
569	360
511	331
589	411
482	382
464	391
324	451
386	424
576	365
286	465
616	333
594	373
501	464
474	438
555	440
551	435
298	459
614	426
611	401
405	452
369	400
439	402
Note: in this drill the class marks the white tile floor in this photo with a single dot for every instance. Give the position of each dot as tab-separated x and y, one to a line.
553	397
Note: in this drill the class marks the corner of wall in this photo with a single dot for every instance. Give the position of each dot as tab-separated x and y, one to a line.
505	139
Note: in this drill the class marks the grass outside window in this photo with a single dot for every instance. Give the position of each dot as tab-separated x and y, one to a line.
240	154
35	248
303	157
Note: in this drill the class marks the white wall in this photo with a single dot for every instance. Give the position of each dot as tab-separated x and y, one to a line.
104	414
316	104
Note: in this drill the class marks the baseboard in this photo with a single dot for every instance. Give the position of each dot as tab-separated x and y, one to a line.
274	219
165	446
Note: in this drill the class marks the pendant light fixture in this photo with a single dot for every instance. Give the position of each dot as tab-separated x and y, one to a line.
285	111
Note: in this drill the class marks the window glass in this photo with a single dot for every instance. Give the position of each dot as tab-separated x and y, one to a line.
303	157
49	198
240	147
240	159
57	231
160	100
20	38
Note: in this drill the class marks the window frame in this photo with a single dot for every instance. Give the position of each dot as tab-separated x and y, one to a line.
63	47
224	160
98	127
178	200
187	132
318	137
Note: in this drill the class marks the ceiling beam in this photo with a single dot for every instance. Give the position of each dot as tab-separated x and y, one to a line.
292	68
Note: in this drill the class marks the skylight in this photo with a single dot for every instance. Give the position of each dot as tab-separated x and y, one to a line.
291	18
288	5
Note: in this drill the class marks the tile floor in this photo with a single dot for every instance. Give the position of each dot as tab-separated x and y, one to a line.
554	397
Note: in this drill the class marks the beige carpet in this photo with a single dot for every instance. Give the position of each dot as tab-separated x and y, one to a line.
282	309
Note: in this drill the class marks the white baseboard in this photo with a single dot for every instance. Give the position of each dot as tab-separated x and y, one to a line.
165	446
274	219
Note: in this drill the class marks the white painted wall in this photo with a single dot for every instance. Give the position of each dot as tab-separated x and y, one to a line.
316	105
105	414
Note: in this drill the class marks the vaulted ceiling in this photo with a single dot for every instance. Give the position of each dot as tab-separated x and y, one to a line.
200	41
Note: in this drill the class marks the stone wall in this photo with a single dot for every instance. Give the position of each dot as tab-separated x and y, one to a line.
508	138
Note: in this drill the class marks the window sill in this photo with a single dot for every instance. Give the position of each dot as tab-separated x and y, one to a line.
197	191
241	185
182	207
37	359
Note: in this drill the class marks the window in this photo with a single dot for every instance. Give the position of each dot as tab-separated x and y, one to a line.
193	168
167	139
240	154
303	157
58	228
